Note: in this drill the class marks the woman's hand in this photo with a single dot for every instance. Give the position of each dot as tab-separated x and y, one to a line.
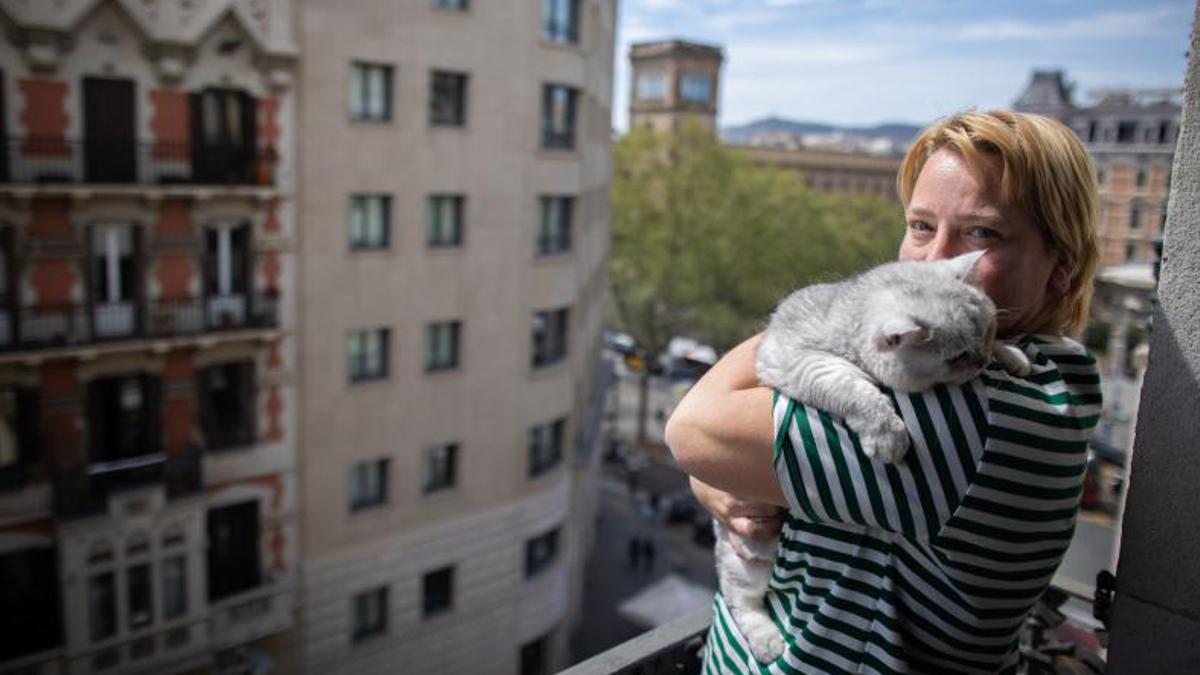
751	520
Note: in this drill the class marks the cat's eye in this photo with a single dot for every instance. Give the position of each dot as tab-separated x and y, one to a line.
960	359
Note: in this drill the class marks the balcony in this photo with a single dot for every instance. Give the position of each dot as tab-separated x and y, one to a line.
85	491
49	327
95	162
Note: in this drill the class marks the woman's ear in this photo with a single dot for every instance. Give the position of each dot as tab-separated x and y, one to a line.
1059	282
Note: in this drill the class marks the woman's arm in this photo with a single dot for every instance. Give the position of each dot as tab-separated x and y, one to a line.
722	432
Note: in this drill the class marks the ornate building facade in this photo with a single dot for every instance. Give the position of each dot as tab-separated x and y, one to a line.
147	349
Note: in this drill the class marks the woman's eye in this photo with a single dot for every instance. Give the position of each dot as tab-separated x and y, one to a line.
984	233
920	226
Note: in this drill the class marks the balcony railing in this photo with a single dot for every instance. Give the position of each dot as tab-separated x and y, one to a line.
85	490
671	649
50	326
49	161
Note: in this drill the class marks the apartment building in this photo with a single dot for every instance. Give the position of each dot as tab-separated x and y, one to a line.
1131	137
454	186
147	349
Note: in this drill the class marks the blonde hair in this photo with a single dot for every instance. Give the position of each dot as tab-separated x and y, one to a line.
1046	172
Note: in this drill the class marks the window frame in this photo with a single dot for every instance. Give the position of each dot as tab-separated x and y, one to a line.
428	607
546	442
361	629
555	238
358	93
435	335
360	203
361	496
440	474
560	22
438	234
461	84
538	559
553	137
357	370
550	337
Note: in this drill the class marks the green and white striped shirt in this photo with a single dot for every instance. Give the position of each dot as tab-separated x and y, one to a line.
930	565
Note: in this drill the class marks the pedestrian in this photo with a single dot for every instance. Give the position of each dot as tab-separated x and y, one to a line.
648	554
635	552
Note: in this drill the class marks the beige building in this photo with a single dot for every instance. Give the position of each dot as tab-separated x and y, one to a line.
1131	136
147	345
453	217
831	171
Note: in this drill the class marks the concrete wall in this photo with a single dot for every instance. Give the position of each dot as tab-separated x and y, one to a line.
1156	619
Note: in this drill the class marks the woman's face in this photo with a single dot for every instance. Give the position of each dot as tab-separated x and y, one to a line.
952	212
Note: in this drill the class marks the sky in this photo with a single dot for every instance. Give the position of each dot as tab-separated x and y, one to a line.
862	62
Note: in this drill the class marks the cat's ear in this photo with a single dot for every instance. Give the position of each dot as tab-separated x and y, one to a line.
963	266
901	330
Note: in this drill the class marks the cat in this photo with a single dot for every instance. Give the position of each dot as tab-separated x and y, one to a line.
904	325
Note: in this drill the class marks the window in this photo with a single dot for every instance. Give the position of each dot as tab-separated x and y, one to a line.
549	337
102	606
561	21
558	116
227	270
368	484
370	222
540	552
696	87
1163	132
114	276
437	591
124	418
233	549
1100	177
1091	132
441	345
140	614
370	92
554	226
18	435
451	4
226	400
545	447
1135	217
1130	251
1126	129
534	657
174	587
444	221
367	354
1141	178
652	86
29	595
448	99
440	467
370	613
224	144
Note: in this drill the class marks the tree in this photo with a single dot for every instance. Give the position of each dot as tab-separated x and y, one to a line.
705	243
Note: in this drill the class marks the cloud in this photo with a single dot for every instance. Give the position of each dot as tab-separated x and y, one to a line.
1103	26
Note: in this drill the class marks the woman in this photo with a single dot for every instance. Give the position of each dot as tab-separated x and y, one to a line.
930	565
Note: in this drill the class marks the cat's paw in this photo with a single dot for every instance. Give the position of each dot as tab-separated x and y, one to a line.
766	643
1012	359
886	441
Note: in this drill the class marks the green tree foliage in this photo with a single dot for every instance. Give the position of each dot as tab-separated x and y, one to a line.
706	243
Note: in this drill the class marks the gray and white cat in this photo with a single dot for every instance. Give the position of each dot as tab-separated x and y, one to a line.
905	325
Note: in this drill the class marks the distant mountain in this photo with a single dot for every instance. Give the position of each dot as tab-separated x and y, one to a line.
897	133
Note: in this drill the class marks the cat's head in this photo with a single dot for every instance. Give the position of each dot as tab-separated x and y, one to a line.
927	324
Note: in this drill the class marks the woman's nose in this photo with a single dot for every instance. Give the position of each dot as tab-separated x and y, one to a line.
942	247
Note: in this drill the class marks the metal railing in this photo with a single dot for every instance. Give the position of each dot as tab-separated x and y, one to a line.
82	490
50	326
49	161
670	649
